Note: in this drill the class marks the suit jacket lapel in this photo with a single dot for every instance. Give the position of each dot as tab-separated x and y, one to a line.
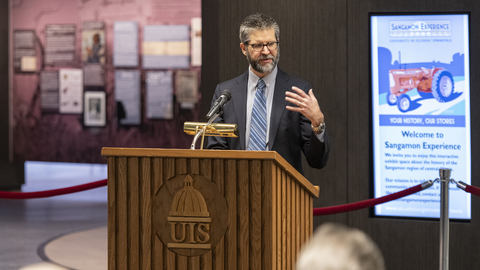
239	103
278	106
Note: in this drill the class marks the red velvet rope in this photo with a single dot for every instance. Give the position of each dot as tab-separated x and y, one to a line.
473	190
316	211
367	203
53	192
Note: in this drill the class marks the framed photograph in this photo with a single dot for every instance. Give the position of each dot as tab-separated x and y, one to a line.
93	46
94	113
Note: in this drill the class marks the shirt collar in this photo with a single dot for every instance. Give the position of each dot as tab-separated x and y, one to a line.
270	78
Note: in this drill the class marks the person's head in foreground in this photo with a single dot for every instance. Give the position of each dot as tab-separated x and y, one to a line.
337	247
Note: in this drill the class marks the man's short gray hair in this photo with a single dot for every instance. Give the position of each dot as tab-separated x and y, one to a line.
255	22
337	247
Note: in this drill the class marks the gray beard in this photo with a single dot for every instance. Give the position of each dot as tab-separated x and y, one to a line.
267	68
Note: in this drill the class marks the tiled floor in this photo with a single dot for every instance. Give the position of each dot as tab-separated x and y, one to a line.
28	226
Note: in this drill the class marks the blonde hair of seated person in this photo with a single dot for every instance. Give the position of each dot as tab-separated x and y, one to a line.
337	247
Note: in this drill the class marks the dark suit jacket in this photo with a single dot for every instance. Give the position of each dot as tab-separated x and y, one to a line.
290	132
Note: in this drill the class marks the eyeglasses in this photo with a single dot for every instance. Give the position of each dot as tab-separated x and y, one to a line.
258	47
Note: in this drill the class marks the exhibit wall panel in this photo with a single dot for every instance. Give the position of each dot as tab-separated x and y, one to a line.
90	74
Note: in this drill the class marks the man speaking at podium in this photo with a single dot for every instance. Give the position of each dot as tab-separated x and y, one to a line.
273	110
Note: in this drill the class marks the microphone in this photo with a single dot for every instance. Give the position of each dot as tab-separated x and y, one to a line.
219	103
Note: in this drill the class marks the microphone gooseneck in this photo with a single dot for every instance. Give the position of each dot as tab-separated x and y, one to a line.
219	103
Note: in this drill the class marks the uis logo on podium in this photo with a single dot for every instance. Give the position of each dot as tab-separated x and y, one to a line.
189	219
190	215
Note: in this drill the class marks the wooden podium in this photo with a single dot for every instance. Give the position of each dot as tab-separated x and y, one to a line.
205	209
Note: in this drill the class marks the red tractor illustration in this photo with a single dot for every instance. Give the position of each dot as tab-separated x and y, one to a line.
436	81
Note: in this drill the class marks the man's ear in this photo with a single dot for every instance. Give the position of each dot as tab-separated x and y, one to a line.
244	49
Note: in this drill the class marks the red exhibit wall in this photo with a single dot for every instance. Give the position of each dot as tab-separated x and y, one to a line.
47	136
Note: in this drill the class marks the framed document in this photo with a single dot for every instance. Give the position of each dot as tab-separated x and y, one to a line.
128	97
94	113
159	88
70	91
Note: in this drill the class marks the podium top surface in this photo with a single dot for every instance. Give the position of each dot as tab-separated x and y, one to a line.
223	154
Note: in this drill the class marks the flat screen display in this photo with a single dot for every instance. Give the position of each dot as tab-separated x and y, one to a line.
420	110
